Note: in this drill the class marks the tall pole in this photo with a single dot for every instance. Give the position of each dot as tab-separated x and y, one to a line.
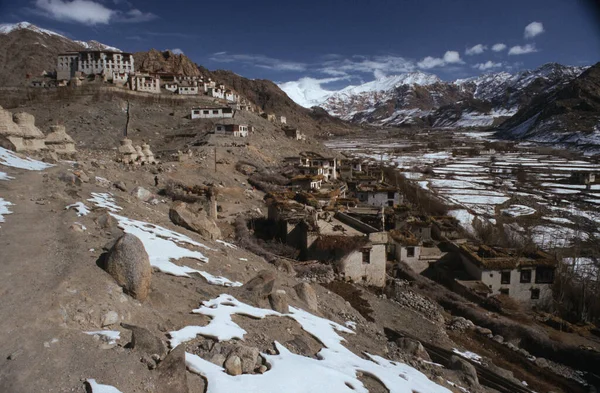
127	123
215	159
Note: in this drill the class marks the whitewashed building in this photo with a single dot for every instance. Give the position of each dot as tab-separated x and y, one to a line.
93	63
232	129
212	113
145	83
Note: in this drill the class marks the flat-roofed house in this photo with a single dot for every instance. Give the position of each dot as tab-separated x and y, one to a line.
524	276
232	129
212	112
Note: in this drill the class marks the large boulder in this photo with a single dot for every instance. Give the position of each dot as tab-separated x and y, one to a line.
412	347
128	263
144	340
307	294
142	194
262	284
172	372
181	215
467	370
278	302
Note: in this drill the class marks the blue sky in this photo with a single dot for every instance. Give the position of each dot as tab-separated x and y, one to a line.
334	42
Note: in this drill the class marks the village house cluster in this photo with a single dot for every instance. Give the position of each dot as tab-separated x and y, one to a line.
340	212
118	68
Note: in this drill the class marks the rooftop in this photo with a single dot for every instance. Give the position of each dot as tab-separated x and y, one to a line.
488	257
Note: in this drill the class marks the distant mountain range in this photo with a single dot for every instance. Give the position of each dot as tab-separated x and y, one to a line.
421	99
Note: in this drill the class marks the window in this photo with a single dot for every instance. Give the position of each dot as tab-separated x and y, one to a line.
410	252
535	293
525	276
505	278
206	112
215	112
544	275
504	291
390	203
366	255
391	194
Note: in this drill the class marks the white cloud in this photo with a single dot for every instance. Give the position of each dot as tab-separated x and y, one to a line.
450	57
533	29
376	65
522	50
259	61
430	62
308	92
475	50
177	51
88	12
487	65
81	11
499	47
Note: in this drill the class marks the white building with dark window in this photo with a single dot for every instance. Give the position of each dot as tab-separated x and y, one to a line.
93	63
212	113
526	277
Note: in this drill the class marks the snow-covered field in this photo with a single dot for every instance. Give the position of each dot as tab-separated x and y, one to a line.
489	185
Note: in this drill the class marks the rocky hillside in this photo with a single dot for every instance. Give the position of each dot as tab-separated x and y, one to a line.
271	99
569	115
26	49
167	61
423	99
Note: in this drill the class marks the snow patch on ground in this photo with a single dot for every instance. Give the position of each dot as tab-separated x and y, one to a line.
221	326
468	355
465	219
105	200
554	236
8	158
334	371
4	176
111	336
518	210
4	204
163	245
98	388
80	207
228	245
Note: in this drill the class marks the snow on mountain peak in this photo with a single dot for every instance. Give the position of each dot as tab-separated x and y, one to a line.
7	28
388	83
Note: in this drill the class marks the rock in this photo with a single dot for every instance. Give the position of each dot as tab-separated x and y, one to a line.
307	294
523	352
110	318
218	359
15	354
541	362
512	346
144	340
262	284
466	368
120	185
412	347
142	194
69	178
128	263
278	302
197	222
262	369
248	357
233	365
172	372
106	221
483	331
283	265
461	324
77	227
498	338
82	175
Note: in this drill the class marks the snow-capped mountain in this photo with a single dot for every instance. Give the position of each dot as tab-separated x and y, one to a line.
423	99
26	49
